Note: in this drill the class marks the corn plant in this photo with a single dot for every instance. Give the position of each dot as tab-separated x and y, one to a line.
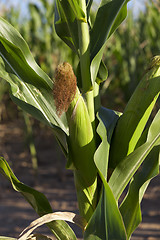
106	150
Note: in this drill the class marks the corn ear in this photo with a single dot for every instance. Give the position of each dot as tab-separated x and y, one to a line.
136	114
81	140
82	146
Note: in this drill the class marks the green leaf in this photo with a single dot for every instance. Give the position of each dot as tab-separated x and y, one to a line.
102	73
154	128
79	14
107	121
125	170
130	208
109	16
15	52
66	24
122	14
106	222
88	4
95	65
31	88
38	201
37	102
136	114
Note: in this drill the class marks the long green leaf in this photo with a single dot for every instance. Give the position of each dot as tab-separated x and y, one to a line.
31	88
130	164
66	24
109	16
136	114
106	222
130	208
37	102
16	53
122	14
38	201
107	121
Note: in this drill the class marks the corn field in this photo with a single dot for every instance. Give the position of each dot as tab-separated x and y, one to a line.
89	72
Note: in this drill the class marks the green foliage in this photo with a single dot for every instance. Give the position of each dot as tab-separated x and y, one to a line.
31	88
127	52
130	208
107	121
106	150
116	13
106	222
39	33
18	57
38	201
135	116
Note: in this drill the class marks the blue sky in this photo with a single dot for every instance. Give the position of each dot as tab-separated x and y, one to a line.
136	5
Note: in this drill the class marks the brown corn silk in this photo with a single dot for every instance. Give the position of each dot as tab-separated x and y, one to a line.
64	89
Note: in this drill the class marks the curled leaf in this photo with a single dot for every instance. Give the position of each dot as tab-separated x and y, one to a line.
66	216
38	237
7	238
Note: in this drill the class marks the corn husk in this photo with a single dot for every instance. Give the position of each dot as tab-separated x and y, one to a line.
82	147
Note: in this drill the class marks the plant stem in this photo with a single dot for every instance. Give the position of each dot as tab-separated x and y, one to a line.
84	41
84	49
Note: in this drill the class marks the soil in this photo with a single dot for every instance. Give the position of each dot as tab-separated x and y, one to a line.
55	182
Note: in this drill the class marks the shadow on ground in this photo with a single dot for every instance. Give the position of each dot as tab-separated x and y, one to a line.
56	183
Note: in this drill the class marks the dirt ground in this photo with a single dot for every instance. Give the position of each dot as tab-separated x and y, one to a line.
55	182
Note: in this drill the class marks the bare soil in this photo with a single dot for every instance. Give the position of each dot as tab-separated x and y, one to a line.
55	182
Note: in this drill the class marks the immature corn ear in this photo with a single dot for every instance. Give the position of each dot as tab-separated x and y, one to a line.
81	141
133	121
82	147
64	89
